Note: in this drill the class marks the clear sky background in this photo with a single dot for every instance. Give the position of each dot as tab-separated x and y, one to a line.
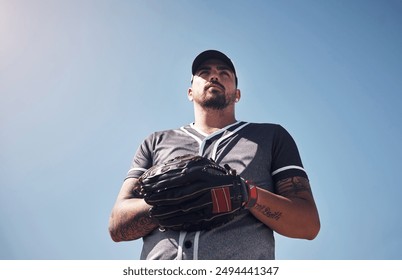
82	83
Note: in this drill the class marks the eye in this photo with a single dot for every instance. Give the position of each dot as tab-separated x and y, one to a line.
225	73
203	72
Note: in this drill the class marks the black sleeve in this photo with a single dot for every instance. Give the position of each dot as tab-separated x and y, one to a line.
286	161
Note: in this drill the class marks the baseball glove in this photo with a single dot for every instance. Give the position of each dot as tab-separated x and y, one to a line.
193	193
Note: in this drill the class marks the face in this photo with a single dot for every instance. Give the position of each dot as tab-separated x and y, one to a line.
214	86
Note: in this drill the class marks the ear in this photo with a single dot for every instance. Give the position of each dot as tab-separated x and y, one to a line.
190	94
238	95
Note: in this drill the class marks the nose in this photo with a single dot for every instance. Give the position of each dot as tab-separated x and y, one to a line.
214	76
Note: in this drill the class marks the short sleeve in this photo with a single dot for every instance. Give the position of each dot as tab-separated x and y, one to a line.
142	159
286	161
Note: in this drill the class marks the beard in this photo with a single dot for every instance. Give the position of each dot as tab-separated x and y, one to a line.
216	99
216	102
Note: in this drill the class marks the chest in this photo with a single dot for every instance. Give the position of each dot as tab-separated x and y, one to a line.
250	157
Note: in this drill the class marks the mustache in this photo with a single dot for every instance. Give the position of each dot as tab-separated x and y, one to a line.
214	83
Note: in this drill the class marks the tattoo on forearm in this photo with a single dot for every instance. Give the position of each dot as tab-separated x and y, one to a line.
145	224
266	211
139	226
293	186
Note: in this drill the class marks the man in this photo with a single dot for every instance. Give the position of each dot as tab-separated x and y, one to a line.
262	153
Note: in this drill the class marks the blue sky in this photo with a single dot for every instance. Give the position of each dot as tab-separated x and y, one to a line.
83	82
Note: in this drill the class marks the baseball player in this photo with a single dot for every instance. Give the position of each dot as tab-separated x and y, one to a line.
217	188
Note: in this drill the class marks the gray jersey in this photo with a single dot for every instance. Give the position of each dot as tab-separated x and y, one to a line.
261	153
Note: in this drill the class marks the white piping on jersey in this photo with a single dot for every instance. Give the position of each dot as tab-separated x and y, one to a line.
215	149
198	130
192	135
200	151
137	169
287	168
196	242
207	137
180	245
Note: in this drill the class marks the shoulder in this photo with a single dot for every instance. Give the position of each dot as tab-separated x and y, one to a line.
271	130
274	129
264	126
160	134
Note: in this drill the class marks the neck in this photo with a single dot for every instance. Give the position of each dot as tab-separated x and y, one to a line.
209	121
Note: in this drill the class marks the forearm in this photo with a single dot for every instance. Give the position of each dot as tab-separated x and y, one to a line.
130	220
292	214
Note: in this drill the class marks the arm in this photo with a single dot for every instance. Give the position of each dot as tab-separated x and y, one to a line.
292	212
129	219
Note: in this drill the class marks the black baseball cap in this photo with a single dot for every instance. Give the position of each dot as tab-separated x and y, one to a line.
212	54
